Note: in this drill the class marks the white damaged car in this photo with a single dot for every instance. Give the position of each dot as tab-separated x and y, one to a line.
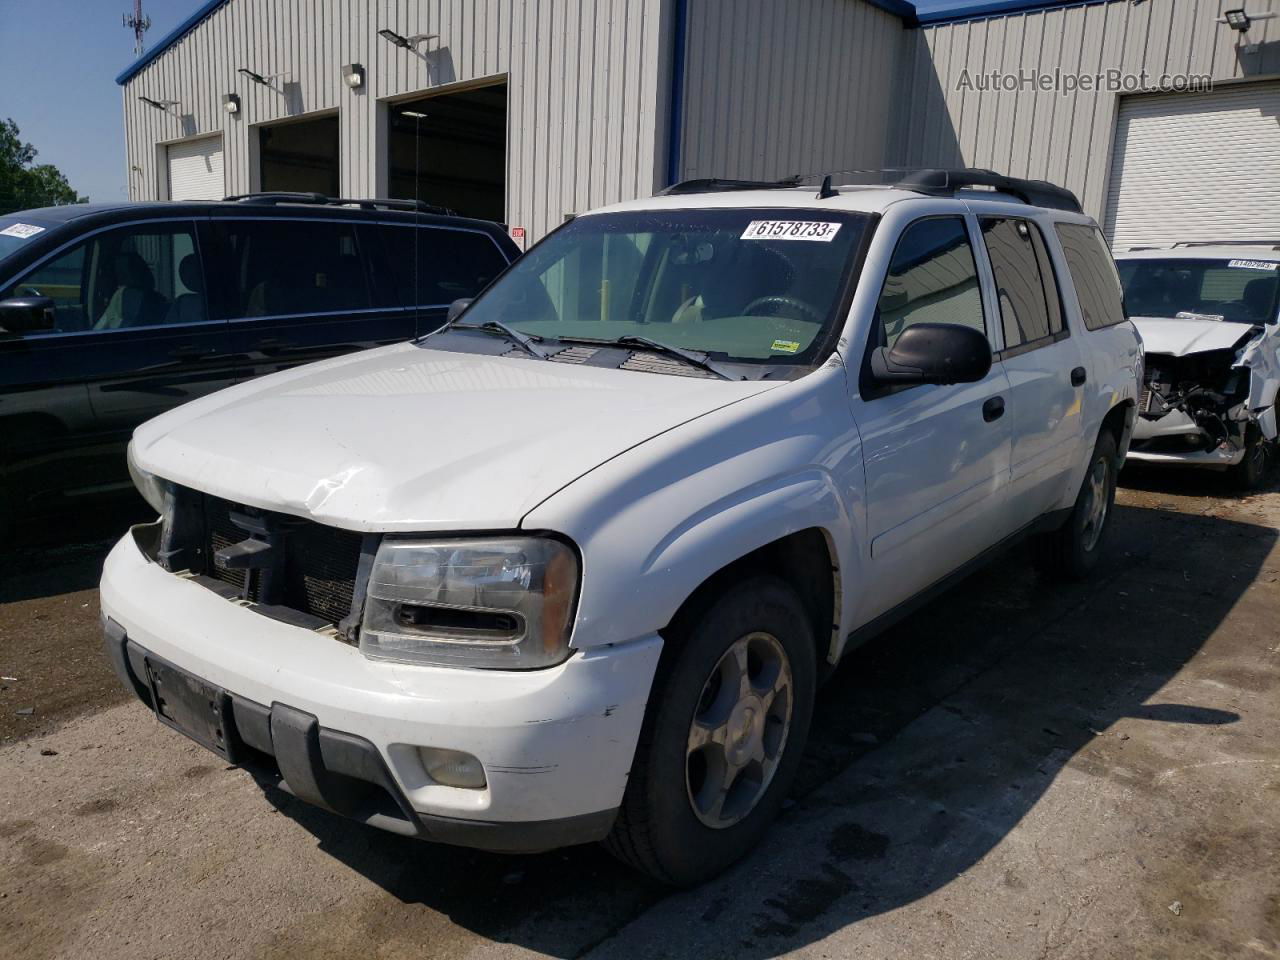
572	567
1208	319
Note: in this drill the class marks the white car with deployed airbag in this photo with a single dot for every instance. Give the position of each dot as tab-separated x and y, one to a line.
572	567
1208	316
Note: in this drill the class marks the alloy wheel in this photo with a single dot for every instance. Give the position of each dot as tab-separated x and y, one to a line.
739	730
1096	503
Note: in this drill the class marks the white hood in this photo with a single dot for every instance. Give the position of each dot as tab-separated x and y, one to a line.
410	438
1180	337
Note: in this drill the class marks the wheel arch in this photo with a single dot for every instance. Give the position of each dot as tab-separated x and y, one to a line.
806	560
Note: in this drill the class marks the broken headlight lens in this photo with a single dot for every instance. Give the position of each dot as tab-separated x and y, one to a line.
500	603
153	489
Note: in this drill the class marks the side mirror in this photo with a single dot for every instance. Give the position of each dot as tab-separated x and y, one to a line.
27	315
458	306
933	353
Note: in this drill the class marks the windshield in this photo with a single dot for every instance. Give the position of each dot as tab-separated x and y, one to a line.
749	286
1240	291
15	233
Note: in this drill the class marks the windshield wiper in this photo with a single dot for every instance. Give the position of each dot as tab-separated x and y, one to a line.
691	357
496	327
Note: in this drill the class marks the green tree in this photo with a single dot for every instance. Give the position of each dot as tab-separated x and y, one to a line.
24	183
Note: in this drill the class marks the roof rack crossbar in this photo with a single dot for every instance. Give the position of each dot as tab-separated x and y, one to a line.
376	203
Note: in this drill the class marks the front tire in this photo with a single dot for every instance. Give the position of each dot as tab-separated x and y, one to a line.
1071	552
723	735
1248	474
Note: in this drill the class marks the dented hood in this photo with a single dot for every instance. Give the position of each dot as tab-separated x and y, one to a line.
415	439
1179	337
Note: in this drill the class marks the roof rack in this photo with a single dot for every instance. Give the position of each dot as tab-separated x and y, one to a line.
934	182
1037	193
277	197
1274	245
718	185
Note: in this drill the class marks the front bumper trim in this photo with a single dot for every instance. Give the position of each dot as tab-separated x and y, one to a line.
286	748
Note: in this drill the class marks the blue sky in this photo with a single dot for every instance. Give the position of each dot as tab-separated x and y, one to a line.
60	61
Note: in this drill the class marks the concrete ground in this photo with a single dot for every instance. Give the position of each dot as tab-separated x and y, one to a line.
1020	770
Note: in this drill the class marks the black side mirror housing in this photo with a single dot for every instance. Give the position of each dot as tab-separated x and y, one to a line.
939	353
458	306
27	315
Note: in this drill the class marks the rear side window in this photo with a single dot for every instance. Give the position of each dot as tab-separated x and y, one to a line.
1094	274
451	263
932	279
1026	288
278	267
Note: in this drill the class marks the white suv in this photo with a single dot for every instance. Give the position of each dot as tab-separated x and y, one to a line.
573	567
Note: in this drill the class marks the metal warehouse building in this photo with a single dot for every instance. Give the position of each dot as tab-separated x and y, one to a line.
525	112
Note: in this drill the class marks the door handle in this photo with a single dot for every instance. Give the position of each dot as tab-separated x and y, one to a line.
993	409
1078	376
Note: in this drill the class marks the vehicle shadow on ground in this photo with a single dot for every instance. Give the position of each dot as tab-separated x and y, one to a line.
901	808
63	554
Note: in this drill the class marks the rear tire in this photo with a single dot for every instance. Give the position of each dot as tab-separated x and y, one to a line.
1071	552
723	735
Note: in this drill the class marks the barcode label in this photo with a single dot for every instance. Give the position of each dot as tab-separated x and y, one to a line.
821	230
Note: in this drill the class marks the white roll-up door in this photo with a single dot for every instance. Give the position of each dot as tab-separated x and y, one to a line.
195	170
1196	166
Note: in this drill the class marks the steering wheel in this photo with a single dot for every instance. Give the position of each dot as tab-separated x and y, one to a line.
784	301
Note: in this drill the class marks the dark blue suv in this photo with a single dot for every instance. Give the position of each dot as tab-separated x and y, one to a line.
113	313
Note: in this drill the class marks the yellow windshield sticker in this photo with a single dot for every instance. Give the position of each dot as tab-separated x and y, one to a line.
785	346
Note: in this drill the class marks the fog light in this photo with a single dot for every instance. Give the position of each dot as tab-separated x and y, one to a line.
453	768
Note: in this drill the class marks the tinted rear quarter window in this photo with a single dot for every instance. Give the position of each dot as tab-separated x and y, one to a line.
451	263
1094	274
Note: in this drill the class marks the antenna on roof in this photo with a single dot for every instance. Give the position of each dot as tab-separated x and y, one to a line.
826	191
139	24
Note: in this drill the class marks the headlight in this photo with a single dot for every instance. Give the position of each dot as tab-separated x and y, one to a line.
153	489
502	603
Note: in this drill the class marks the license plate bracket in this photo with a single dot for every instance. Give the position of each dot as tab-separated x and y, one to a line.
200	710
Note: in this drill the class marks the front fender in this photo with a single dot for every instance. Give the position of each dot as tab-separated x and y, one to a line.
658	521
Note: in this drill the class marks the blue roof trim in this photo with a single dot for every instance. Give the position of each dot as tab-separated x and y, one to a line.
168	40
996	8
899	8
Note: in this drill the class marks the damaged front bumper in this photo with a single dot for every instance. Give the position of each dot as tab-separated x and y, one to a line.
312	715
1200	410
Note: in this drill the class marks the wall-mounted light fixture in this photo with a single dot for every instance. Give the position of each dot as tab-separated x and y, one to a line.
1236	20
1240	21
408	43
231	102
159	104
353	75
255	77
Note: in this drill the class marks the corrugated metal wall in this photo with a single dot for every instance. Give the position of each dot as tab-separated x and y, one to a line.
1063	138
589	84
774	89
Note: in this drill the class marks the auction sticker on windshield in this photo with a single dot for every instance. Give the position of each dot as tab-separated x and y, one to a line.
1252	264
820	230
21	230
